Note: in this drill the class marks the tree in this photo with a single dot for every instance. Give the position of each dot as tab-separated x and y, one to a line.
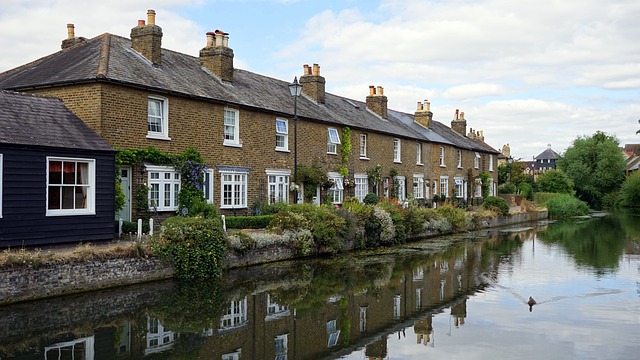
554	181
631	191
595	165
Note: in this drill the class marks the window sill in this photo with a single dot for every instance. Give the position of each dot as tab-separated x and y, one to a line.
443	166
364	158
419	164
282	150
232	144
69	213
239	207
397	162
460	167
157	137
331	153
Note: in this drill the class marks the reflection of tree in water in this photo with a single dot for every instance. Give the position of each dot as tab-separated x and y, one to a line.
597	243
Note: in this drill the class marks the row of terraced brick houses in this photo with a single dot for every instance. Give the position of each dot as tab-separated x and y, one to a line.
135	94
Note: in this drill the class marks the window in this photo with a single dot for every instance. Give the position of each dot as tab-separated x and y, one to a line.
459	187
278	181
362	186
332	333
81	348
476	161
444	186
1	185
363	146
478	192
235	315
418	154
231	127
418	186
281	347
396	151
207	185
442	156
336	192
459	159
232	356
274	309
333	141
363	318
402	187
70	186
164	186
397	306
282	135
233	189
490	162
159	338
158	118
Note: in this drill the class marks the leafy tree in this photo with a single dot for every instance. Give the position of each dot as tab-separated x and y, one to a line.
595	165
554	181
631	191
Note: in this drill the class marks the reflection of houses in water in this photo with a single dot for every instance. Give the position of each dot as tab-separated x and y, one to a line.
78	349
423	329
158	338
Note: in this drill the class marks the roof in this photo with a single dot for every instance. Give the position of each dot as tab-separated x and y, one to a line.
110	58
35	120
548	154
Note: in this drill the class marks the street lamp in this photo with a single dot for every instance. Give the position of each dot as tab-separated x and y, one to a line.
510	167
295	88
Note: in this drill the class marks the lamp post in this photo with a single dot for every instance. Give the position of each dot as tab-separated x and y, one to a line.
295	88
510	167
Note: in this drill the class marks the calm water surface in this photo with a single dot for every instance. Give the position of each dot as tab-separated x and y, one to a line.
427	299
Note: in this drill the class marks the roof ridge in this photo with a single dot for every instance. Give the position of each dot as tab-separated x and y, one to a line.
103	61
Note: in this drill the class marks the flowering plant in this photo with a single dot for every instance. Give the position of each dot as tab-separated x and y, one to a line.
349	184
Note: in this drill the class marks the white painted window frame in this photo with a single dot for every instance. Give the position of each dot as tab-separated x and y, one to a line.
164	118
91	188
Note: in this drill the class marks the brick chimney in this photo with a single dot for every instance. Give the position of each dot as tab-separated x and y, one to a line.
217	56
71	39
147	39
312	83
459	124
377	101
423	114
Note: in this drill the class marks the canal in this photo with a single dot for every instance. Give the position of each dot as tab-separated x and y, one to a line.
463	296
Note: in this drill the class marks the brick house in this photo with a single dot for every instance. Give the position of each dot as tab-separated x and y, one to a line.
56	174
136	94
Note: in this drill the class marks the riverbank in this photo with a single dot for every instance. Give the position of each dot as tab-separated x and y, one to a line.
47	275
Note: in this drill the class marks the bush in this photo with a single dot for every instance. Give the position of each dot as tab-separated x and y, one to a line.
526	191
455	216
288	221
566	205
507	188
130	227
370	199
327	226
630	191
194	246
274	208
386	226
541	198
496	204
248	222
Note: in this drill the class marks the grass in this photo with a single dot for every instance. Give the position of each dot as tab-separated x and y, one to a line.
35	257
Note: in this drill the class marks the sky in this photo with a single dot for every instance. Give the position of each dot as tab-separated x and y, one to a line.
527	73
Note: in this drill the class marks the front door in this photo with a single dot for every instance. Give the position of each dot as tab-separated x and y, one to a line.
125	180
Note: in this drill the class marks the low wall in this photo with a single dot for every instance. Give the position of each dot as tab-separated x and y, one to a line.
30	283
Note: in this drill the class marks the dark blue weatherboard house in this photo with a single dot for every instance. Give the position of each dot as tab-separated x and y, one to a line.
56	175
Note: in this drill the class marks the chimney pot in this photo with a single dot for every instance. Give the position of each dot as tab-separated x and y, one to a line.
70	31
380	90
427	105
372	90
462	115
151	17
305	69
210	38
140	22
225	40
219	35
419	106
316	69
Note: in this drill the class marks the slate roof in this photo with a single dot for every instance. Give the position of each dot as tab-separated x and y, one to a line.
110	58
548	154
35	120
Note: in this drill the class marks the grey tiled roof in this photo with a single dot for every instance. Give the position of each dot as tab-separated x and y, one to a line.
548	154
35	120
110	58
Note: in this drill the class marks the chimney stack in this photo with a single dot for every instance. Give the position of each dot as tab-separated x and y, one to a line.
71	39
147	39
313	84
377	102
459	124
217	56
423	115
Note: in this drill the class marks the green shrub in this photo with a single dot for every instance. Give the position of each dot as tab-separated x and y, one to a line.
630	191
248	222
526	191
370	199
541	198
507	188
301	242
327	228
274	208
566	205
360	210
497	204
130	227
386	226
455	216
288	221
194	246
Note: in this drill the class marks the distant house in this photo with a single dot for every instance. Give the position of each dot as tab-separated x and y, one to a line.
546	160
56	174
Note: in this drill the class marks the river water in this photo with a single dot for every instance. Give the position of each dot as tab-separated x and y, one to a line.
458	297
